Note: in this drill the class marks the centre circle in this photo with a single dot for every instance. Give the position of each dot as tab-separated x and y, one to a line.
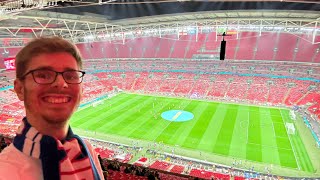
177	115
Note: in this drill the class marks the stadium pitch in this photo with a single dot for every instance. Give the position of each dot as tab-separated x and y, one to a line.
245	132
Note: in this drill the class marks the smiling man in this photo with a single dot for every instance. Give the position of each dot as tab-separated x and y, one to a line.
48	81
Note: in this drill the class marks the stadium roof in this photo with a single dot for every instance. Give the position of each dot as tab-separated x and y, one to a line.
78	19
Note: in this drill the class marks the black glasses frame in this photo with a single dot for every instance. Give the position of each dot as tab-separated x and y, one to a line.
57	72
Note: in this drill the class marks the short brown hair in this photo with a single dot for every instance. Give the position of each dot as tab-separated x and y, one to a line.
44	45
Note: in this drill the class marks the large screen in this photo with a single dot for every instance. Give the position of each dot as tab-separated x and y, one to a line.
9	63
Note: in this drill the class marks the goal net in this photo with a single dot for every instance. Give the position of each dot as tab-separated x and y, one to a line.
292	115
290	128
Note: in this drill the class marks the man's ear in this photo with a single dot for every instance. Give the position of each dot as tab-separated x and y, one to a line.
19	89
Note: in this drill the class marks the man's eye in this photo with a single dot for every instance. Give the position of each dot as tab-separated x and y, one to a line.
43	76
72	76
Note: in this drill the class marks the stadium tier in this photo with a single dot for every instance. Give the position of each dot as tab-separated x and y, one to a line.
247	46
269	46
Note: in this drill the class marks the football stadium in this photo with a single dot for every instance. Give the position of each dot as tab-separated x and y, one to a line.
179	89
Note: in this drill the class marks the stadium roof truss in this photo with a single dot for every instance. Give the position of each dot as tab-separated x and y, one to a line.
17	28
303	22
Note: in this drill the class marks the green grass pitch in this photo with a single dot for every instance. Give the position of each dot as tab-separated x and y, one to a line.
245	132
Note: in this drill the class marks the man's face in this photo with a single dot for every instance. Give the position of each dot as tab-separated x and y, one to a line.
52	103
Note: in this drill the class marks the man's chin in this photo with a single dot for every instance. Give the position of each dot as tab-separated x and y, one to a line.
60	119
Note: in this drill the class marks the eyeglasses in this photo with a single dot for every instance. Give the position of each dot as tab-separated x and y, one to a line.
46	76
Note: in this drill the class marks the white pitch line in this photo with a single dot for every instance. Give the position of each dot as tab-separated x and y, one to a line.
294	152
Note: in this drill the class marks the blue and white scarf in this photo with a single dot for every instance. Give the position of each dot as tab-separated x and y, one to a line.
61	160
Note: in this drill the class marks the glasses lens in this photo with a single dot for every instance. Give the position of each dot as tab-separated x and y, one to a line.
44	76
72	77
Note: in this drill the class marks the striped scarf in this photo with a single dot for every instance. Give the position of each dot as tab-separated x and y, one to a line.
61	160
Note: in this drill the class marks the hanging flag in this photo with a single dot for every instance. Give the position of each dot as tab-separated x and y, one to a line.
183	32
10	63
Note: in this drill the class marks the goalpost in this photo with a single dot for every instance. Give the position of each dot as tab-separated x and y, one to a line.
290	128
292	115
